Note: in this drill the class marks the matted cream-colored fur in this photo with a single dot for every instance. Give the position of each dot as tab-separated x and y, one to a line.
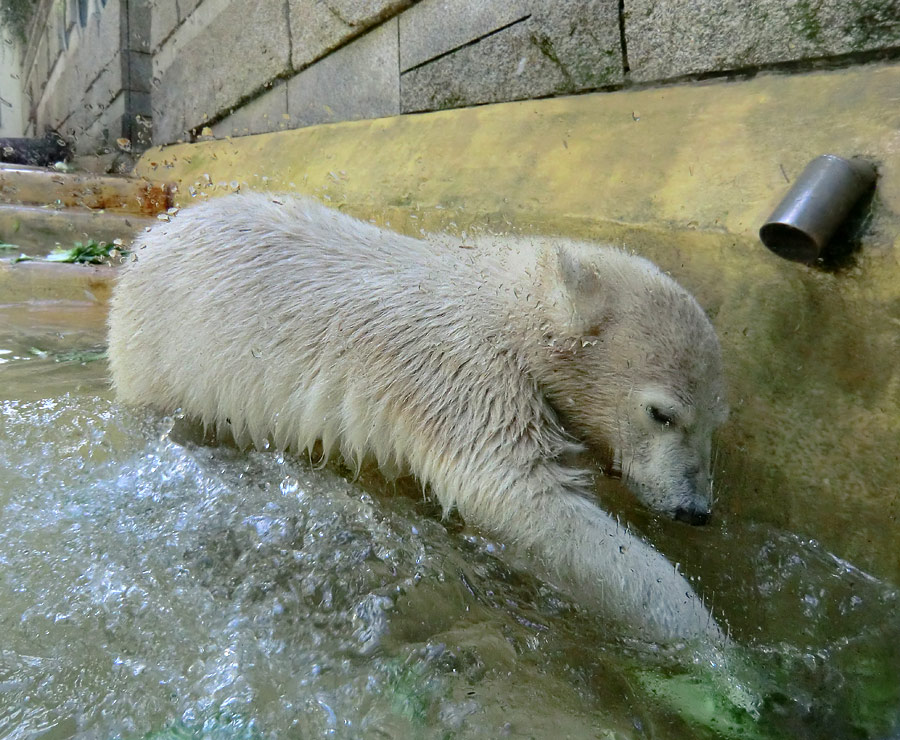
477	369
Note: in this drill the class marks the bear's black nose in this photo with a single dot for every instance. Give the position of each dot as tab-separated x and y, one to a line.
697	517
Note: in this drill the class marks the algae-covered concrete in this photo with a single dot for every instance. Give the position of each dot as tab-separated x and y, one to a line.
684	175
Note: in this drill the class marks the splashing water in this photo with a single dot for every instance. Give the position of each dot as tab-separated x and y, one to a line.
155	586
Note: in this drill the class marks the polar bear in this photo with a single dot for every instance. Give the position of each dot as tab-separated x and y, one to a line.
480	367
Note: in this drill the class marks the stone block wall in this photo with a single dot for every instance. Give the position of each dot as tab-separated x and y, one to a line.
507	51
675	38
86	72
12	118
229	68
335	60
271	65
346	59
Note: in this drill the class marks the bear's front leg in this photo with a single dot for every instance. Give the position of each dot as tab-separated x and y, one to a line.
606	566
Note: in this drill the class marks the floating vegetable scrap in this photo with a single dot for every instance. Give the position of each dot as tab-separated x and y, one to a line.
87	253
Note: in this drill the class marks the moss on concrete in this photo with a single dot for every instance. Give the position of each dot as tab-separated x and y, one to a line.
805	21
873	22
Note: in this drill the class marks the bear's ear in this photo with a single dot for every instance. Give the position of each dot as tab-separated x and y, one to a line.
584	290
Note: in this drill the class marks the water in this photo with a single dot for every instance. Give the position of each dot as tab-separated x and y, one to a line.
157	585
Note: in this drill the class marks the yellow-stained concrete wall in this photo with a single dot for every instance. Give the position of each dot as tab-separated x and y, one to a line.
684	175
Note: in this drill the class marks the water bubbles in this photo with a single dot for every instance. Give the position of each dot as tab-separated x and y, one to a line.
454	714
290	486
330	716
371	619
134	667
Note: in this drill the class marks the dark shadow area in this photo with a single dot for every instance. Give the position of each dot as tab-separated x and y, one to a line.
841	251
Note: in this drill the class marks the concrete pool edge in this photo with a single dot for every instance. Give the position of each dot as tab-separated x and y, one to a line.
34	280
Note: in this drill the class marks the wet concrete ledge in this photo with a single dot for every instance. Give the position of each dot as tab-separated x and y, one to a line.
685	175
23	185
22	282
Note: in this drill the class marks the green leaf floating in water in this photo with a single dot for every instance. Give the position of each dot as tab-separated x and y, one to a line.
83	253
413	695
82	356
91	252
700	701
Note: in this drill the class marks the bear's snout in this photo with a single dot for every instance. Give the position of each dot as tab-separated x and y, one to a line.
690	515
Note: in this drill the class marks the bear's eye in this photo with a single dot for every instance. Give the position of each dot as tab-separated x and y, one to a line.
660	416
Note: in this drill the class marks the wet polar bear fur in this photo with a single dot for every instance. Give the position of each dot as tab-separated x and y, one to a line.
480	370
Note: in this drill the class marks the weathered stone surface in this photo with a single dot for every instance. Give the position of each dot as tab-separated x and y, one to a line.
138	71
186	7
137	32
559	48
138	123
90	95
670	38
434	27
105	87
68	190
187	30
101	62
41	64
100	40
320	26
55	34
53	107
87	79
68	101
107	126
360	80
267	113
163	20
212	67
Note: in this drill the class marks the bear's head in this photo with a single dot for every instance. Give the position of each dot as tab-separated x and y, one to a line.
635	370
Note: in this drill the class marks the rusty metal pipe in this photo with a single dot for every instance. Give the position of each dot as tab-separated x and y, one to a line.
815	206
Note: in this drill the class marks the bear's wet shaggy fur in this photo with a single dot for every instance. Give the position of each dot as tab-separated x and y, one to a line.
479	370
